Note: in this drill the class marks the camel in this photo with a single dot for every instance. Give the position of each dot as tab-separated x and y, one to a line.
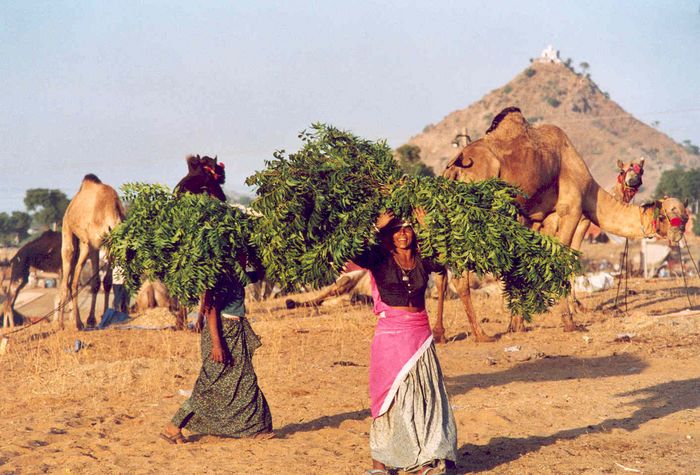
91	214
204	175
559	191
354	283
43	253
629	180
152	294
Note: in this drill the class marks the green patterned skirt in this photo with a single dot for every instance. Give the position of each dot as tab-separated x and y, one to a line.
226	399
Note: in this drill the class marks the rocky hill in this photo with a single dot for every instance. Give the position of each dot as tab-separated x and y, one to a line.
600	129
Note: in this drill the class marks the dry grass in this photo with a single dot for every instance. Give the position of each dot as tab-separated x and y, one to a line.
566	403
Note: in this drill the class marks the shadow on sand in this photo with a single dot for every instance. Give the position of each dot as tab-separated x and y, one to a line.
549	369
558	368
654	402
649	298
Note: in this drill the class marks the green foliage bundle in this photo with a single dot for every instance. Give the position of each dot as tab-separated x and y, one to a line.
319	206
473	227
190	242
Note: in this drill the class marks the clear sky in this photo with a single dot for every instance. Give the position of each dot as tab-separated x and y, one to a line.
126	89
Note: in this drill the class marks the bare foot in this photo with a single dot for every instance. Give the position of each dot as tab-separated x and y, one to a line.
263	435
173	435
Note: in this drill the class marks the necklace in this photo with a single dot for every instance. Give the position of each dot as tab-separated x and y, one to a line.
404	274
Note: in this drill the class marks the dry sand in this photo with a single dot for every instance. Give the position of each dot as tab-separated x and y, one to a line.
591	402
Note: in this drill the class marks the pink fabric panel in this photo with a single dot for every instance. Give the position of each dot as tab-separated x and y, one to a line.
398	337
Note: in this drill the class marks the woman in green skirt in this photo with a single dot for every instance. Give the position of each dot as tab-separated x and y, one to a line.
226	400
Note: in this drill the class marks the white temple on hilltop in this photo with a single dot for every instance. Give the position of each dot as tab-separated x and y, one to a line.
549	55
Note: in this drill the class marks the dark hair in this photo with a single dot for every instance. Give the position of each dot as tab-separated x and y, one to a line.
501	115
386	235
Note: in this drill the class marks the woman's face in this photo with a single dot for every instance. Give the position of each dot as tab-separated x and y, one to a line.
403	237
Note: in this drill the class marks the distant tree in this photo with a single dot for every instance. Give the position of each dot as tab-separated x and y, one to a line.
409	160
690	147
5	233
14	228
584	67
553	102
567	63
48	206
655	124
529	72
681	184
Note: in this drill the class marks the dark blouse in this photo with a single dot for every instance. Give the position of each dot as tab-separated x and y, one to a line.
397	287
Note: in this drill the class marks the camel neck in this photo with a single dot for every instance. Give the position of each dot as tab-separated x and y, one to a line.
616	217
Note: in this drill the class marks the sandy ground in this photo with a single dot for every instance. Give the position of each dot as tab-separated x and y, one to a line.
620	396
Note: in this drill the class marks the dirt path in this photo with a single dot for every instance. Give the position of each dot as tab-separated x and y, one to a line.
623	394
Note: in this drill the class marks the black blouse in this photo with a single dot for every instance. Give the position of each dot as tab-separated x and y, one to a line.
398	287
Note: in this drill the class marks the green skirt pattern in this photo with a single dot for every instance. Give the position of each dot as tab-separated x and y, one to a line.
226	399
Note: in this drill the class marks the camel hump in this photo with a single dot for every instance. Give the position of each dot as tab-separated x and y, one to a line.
91	177
509	121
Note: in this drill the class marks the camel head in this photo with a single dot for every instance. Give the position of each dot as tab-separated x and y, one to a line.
475	162
630	176
205	175
670	218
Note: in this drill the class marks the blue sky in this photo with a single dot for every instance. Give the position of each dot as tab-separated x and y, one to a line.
126	89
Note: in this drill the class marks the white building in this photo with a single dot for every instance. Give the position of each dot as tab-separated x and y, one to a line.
549	55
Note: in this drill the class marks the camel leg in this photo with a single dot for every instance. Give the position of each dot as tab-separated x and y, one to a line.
82	257
568	224
581	229
107	284
8	311
67	273
516	324
94	256
462	286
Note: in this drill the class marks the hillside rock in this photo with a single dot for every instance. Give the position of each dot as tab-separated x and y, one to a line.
599	128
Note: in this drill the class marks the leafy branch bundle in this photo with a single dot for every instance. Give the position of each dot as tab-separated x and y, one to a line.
190	242
319	207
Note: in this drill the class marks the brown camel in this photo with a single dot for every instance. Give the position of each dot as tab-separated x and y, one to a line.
629	180
91	214
205	175
43	253
544	164
152	294
355	284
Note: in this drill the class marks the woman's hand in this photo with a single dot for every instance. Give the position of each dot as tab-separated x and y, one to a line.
349	267
199	325
220	354
384	219
419	214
